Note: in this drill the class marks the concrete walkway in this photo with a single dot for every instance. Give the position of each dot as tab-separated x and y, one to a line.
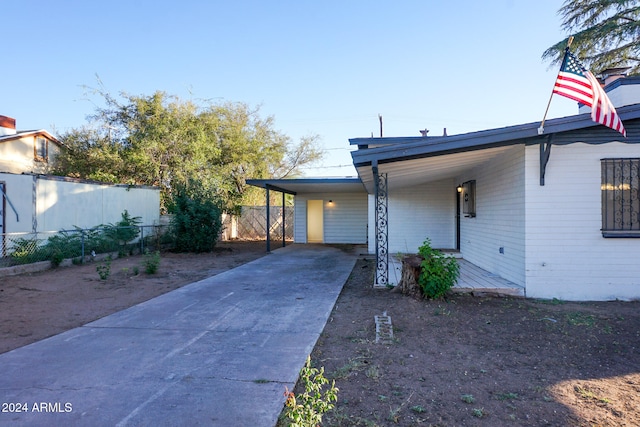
218	352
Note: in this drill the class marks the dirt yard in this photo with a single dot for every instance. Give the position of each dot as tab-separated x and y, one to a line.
465	361
471	361
39	305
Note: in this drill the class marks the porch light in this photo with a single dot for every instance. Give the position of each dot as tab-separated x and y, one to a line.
459	188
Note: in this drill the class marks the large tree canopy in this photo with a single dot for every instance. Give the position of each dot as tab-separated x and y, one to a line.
163	141
606	34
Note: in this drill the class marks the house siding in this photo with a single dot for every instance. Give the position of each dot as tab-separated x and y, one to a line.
345	220
500	217
17	156
416	213
567	257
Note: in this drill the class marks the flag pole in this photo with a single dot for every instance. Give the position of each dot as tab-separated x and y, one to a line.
541	128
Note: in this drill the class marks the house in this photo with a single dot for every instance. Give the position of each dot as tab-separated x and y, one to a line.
557	214
32	201
30	151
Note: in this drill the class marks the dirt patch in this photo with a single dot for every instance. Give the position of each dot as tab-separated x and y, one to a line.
39	305
465	361
471	361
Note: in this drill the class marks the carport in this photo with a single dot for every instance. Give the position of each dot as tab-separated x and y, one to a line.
326	210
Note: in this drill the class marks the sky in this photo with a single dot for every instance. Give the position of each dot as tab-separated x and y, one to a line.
327	68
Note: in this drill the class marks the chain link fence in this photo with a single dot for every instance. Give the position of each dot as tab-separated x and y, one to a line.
79	244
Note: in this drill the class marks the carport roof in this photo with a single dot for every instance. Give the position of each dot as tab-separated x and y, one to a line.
311	185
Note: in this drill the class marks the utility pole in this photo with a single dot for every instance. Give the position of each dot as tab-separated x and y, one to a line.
380	117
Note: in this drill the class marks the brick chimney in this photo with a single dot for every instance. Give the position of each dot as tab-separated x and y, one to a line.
7	126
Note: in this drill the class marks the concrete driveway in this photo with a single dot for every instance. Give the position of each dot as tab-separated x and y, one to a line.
218	352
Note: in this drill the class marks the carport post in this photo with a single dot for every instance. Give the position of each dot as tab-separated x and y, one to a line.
268	221
284	222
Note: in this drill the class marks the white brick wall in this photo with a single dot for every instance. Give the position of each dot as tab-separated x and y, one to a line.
500	217
567	257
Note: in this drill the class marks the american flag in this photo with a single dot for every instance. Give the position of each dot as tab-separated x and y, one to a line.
576	82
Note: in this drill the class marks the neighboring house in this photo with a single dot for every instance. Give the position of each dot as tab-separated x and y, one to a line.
30	151
557	214
32	201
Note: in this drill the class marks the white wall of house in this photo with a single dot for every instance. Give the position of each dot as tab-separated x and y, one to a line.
345	219
416	213
566	255
62	204
500	216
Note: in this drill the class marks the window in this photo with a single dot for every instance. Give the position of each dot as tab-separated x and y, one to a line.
41	148
620	197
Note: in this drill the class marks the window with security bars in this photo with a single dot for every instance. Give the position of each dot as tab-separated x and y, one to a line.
620	197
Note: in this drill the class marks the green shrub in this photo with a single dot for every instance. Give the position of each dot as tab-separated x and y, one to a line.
56	258
26	251
123	232
196	223
438	272
104	269
152	262
306	409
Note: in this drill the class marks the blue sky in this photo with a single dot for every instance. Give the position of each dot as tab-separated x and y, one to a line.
326	68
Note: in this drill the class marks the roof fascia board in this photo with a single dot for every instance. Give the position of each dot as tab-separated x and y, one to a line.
415	147
23	134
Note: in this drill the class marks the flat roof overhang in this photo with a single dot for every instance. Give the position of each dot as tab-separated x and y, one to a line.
310	185
411	161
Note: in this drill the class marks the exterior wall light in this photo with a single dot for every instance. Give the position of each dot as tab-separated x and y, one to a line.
459	188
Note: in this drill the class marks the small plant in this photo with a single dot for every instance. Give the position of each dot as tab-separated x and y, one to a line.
136	270
580	319
104	269
438	272
418	409
507	396
394	414
306	409
152	262
373	372
478	412
56	258
467	398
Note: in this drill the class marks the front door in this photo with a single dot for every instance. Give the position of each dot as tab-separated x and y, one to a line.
315	221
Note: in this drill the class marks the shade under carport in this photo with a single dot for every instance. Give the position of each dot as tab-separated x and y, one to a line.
305	185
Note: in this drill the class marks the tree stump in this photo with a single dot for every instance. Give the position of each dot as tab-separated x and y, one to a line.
409	282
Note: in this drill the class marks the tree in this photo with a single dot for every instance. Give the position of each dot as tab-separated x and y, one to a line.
163	141
606	34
